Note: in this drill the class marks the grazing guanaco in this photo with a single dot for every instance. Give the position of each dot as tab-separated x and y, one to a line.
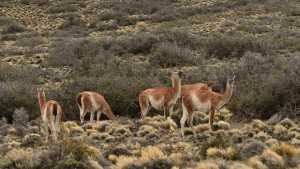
92	102
51	115
161	98
205	101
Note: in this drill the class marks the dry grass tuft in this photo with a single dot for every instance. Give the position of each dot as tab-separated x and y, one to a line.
103	126
228	153
255	163
238	165
124	161
121	131
32	140
145	130
151	153
263	136
272	159
22	158
280	132
201	128
285	149
288	123
94	164
260	125
208	165
222	125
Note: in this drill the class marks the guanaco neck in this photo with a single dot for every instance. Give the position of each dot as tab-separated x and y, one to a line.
109	113
42	101
228	92
176	84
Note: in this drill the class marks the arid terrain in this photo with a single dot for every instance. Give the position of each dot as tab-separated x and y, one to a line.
121	47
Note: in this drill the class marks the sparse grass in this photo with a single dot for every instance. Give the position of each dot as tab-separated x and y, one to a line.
30	42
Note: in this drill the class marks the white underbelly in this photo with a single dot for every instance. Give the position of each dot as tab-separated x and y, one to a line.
95	106
200	106
157	104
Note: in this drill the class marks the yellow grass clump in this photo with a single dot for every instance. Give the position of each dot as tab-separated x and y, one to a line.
124	161
255	163
228	153
271	158
23	158
151	153
238	165
285	149
208	165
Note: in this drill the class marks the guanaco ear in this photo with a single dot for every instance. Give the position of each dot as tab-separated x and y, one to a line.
180	74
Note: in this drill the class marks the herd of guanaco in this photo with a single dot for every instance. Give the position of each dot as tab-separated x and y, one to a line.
193	97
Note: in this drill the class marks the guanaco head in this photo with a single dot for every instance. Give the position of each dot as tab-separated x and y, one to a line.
176	75
230	82
41	98
41	93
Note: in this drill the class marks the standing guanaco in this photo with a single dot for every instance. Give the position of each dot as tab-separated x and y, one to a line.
92	102
51	115
161	98
205	101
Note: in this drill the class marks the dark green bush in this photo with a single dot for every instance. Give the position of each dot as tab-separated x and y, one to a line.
18	89
30	42
234	45
35	2
267	84
14	28
171	55
62	7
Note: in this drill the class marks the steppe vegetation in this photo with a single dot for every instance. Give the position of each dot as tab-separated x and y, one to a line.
120	47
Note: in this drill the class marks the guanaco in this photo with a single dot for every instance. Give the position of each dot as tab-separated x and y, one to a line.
161	98
89	101
51	115
205	101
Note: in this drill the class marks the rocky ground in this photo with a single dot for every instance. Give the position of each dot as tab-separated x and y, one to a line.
154	143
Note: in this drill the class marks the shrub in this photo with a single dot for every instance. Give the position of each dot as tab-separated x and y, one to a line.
17	90
14	28
69	162
263	87
171	55
21	158
95	68
62	7
30	42
5	21
234	45
217	141
37	2
252	148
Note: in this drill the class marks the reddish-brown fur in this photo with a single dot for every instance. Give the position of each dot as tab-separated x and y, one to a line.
51	115
92	102
161	98
202	99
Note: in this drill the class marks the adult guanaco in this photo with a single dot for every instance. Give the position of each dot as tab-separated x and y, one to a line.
161	98
51	115
205	101
89	101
